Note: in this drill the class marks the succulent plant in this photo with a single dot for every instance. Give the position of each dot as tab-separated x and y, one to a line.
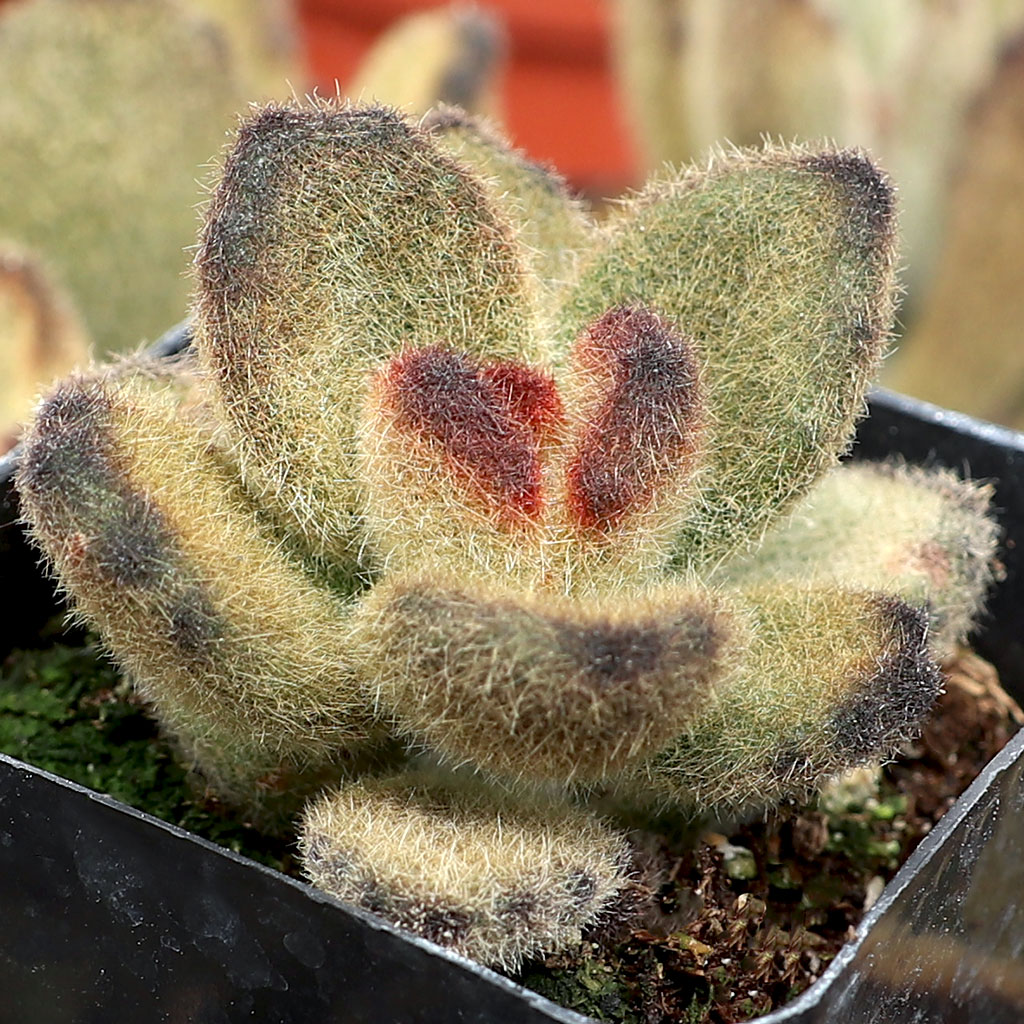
963	347
464	536
695	71
265	43
935	89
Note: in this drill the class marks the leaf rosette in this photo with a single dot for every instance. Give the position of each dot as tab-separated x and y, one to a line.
472	508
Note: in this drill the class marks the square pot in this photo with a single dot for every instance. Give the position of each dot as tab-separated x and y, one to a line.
107	913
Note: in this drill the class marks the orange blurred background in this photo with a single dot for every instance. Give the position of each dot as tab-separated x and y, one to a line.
558	92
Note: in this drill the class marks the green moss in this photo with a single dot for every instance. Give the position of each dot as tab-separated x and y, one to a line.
67	710
865	835
588	986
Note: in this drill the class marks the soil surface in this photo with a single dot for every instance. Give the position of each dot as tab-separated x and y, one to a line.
727	928
738	924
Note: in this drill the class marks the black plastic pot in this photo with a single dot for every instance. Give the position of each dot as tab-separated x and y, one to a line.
108	914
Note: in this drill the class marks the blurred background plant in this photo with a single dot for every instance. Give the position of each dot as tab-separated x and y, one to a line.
110	110
934	88
41	332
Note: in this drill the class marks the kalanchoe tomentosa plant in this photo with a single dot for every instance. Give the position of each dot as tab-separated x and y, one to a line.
466	524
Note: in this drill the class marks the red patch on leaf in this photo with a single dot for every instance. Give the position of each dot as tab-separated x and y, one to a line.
487	421
529	395
642	379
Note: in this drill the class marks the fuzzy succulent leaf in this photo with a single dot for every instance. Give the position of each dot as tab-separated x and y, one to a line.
537	686
937	549
452	464
336	236
483	465
554	229
495	877
780	265
830	679
636	410
245	659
